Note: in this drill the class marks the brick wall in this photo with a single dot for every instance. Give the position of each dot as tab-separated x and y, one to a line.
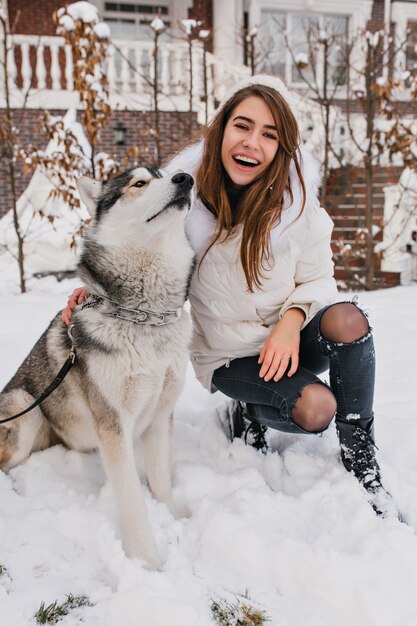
174	133
203	10
377	18
33	18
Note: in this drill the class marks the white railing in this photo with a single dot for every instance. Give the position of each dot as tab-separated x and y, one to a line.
44	64
35	62
130	67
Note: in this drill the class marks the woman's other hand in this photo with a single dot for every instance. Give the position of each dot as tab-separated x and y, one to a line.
77	296
282	346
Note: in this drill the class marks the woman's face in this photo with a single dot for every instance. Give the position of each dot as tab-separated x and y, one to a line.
250	141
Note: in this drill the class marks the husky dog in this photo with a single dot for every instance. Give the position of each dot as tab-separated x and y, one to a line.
131	342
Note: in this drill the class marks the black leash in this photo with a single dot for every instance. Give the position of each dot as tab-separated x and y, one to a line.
140	316
54	384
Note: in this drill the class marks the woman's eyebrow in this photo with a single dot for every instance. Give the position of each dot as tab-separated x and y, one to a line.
248	119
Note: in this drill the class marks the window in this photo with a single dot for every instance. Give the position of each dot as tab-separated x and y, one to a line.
134	8
270	43
131	21
286	39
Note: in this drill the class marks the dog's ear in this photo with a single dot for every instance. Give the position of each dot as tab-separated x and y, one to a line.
89	192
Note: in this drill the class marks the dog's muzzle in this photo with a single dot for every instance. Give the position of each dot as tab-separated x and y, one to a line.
183	180
182	194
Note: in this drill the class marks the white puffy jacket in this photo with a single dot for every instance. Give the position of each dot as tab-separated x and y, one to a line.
231	322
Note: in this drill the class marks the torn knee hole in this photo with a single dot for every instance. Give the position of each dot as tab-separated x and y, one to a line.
314	408
345	323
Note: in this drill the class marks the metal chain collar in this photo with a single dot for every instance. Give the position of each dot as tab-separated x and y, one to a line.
136	316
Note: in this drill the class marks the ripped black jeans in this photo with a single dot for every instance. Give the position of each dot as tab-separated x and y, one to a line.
352	379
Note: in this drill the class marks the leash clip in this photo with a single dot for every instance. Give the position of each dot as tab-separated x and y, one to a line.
71	355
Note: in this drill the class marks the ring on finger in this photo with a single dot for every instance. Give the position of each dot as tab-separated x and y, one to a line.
285	358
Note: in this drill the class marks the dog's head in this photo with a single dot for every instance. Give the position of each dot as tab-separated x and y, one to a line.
142	199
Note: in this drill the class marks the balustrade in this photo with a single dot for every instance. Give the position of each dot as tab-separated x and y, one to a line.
45	64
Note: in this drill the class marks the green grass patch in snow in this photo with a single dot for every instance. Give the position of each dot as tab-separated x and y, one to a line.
237	614
52	613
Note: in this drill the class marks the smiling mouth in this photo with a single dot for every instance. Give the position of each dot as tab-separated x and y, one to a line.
244	161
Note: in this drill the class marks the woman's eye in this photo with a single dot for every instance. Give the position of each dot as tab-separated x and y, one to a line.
271	136
139	183
242	126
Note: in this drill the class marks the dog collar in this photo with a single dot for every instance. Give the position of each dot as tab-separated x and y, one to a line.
136	316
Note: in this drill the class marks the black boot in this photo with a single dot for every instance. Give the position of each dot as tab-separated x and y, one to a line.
357	447
240	426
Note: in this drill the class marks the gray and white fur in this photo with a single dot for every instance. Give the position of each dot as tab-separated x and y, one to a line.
127	376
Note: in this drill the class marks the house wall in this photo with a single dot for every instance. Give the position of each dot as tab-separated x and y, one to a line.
33	18
174	128
203	10
377	18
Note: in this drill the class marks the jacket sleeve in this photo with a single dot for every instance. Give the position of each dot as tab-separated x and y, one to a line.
315	286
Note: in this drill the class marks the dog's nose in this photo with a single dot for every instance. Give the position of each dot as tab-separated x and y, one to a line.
185	181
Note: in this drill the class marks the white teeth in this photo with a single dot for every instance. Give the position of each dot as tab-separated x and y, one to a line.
246	159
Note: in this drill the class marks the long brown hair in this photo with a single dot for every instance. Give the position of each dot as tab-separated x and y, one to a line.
261	206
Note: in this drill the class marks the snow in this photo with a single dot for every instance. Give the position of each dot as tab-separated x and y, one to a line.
84	11
400	223
374	38
301	58
358	89
189	26
383	126
67	22
157	24
47	245
102	30
290	529
353	416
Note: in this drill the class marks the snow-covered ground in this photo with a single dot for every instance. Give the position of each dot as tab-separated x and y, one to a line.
291	530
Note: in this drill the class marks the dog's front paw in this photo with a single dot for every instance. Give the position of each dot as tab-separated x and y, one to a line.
145	551
178	510
153	563
150	561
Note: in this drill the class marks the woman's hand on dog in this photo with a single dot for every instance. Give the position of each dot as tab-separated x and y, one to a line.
77	296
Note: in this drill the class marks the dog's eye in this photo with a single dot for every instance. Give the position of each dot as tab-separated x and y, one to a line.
139	183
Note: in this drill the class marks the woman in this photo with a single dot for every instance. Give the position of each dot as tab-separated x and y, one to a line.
263	296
